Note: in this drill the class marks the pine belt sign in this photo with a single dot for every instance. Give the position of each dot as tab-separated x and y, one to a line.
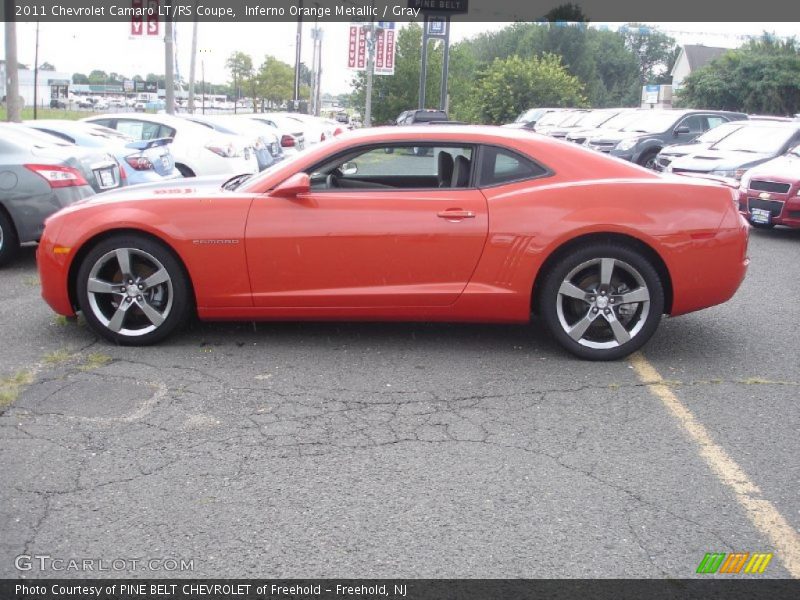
385	38
144	20
440	6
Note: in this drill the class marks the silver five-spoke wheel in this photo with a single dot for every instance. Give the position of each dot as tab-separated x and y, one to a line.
603	301
132	290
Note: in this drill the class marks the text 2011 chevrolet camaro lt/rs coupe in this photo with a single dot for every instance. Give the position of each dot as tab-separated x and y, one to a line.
489	225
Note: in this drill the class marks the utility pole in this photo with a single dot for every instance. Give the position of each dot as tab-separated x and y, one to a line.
12	68
316	35
370	72
193	65
169	64
297	48
36	74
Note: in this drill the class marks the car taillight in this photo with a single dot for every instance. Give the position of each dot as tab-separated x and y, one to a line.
338	131
140	163
287	141
322	137
58	176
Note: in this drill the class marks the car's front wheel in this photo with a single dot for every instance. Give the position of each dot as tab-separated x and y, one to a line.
9	244
132	290
602	301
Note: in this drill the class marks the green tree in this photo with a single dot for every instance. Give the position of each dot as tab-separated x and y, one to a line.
240	66
275	82
512	84
98	77
80	78
655	51
46	66
761	77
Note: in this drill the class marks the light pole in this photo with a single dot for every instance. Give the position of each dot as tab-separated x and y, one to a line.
203	52
372	31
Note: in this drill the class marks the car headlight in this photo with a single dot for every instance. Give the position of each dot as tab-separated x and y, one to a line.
744	183
729	173
627	144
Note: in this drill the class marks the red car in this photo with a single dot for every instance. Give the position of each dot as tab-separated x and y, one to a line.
770	192
490	225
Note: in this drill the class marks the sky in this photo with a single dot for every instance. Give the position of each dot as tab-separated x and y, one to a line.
82	47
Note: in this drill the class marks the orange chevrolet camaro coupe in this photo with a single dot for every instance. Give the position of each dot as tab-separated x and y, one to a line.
486	224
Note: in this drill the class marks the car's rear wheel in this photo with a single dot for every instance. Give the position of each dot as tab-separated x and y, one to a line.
132	290
602	301
9	242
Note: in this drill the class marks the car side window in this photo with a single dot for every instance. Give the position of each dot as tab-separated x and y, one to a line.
103	122
396	166
499	165
166	132
714	121
139	130
695	123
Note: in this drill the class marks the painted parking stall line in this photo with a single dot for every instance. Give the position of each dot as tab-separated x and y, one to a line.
761	511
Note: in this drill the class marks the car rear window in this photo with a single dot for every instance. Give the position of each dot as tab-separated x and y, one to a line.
425	117
499	165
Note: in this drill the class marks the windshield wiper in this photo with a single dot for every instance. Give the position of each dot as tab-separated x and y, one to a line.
235	181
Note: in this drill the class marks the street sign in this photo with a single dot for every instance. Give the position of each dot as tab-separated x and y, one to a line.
440	6
144	21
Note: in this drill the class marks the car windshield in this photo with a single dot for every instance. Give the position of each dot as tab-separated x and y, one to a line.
595	118
753	138
554	118
712	136
529	115
623	119
574	119
654	122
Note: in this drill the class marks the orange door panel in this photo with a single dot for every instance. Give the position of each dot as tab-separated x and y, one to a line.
365	248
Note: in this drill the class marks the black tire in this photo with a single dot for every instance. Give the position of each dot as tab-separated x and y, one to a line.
562	308
419	151
184	170
150	314
9	242
389	150
648	159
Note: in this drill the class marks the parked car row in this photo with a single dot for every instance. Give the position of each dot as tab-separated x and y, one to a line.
49	164
758	154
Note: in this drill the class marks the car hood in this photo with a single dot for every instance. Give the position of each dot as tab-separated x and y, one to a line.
684	149
710	160
786	167
194	187
610	135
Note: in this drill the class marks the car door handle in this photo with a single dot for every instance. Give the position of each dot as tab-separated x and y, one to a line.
455	213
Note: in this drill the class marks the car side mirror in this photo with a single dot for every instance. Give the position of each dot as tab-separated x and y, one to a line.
349	168
297	184
681	129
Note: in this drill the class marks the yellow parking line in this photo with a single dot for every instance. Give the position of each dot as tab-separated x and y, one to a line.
761	511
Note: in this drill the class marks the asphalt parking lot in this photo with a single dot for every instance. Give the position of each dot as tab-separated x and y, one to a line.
391	450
